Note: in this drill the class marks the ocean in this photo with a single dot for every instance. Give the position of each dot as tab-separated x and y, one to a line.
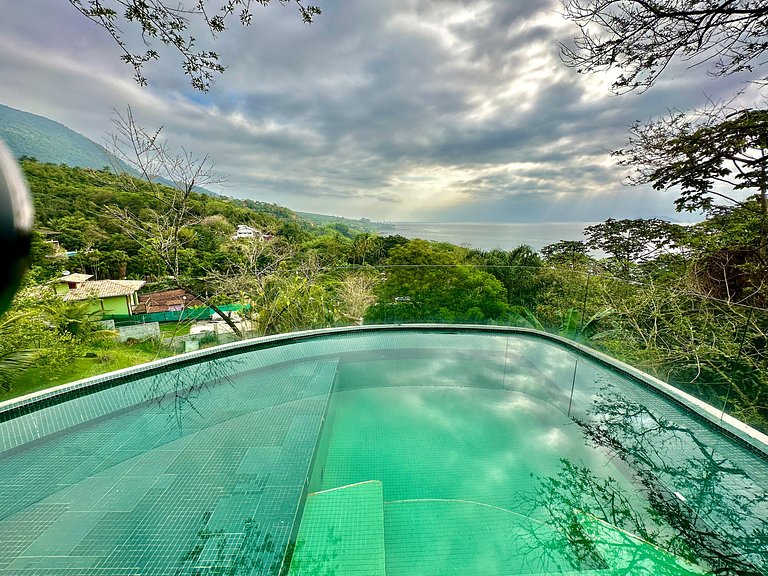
490	235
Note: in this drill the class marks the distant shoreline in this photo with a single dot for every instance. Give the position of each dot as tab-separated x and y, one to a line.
491	235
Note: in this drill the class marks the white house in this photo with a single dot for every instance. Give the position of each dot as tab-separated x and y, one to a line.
245	231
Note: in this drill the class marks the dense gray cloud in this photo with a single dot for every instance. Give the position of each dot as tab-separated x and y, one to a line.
399	110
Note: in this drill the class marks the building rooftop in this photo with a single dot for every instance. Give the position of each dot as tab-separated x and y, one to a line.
103	289
75	278
165	300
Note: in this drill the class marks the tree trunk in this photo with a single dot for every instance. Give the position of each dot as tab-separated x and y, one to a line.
226	317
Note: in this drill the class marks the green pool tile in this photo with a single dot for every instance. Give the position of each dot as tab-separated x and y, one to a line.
125	494
152	463
233	513
85	495
342	533
258	460
66	533
455	538
222	553
46	565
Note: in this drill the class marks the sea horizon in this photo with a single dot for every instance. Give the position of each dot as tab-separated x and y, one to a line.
492	235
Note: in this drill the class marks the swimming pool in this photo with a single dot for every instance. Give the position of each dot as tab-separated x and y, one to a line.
419	450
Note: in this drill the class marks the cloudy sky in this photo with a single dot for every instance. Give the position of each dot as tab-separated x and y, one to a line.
421	110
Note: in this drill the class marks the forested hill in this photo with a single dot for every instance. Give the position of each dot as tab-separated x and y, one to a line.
76	204
363	224
47	141
39	137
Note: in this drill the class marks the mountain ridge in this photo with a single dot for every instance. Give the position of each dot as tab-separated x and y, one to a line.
33	135
48	141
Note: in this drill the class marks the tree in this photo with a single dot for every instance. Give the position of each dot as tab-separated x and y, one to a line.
13	359
518	271
572	253
712	158
291	300
149	155
366	247
642	37
729	254
166	231
76	232
630	242
698	153
249	264
355	295
170	23
429	282
77	319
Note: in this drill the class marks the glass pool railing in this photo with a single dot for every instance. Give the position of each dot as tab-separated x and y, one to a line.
714	349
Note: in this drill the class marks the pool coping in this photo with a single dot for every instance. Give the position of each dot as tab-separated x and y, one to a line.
747	434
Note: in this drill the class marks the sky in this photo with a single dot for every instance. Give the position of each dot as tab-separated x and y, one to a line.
404	110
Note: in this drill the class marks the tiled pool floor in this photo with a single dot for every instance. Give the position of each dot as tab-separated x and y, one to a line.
139	494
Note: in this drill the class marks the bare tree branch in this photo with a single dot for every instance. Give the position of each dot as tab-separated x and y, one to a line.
168	231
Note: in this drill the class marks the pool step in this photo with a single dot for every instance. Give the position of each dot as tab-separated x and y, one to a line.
342	532
454	537
626	553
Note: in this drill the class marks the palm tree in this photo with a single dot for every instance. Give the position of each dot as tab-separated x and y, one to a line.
78	319
570	327
13	362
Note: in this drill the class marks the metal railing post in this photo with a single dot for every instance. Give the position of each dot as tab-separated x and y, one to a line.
736	359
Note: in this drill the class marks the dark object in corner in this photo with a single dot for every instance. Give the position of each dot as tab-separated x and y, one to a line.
16	218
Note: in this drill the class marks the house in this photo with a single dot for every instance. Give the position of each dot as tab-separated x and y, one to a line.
166	301
244	231
110	297
56	249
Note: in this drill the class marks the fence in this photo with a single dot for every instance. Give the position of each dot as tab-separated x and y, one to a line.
188	314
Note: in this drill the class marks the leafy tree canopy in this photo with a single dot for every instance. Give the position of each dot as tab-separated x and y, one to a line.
170	23
570	252
699	154
642	37
632	241
429	282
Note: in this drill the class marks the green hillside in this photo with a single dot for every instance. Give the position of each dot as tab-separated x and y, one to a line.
39	137
358	225
50	142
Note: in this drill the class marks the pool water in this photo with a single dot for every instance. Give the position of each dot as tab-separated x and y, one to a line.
456	464
380	453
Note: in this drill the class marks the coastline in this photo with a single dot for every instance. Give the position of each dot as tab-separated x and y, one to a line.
491	235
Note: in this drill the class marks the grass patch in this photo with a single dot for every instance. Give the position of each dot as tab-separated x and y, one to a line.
107	357
168	329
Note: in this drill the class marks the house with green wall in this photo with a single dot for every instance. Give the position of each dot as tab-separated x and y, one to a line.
107	297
